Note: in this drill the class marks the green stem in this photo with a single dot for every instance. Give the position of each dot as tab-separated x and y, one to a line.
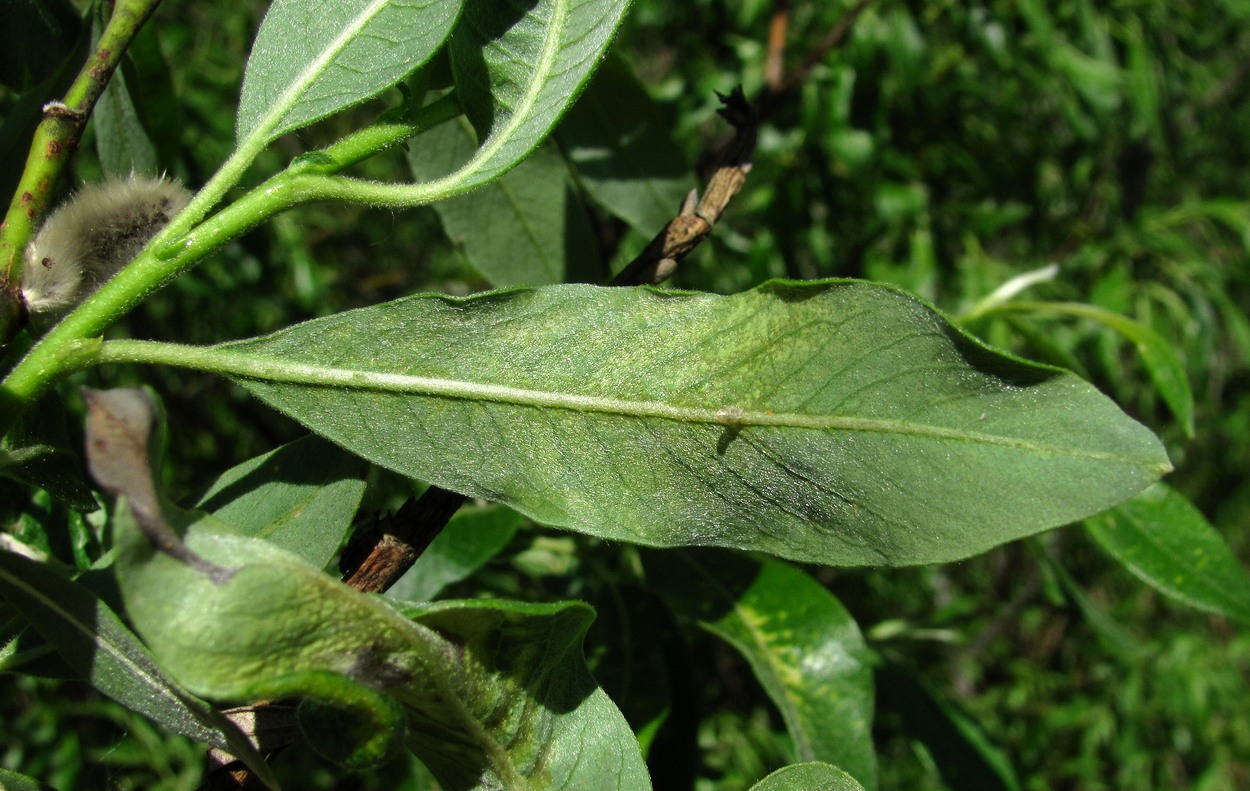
179	247
55	141
57	136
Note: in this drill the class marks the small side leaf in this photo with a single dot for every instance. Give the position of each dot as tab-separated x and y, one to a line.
618	144
1166	542
804	647
302	497
470	539
121	141
496	693
312	59
812	776
518	65
1162	361
963	754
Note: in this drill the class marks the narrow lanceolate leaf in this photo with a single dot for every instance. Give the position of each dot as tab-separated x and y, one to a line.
960	749
103	651
492	694
471	538
302	497
808	777
121	141
312	59
835	422
802	644
1167	542
518	65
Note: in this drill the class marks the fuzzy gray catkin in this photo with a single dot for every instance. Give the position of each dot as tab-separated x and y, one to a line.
93	235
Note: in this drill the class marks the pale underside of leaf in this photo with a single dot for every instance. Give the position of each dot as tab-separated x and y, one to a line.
311	60
517	83
835	422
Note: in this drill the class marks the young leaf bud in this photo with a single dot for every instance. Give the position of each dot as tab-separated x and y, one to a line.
93	235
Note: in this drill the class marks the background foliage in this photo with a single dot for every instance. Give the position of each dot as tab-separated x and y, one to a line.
945	147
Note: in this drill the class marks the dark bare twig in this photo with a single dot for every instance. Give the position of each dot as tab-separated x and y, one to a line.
379	556
684	232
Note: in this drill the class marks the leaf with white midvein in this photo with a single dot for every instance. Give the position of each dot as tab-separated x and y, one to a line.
490	694
518	65
312	59
800	642
836	422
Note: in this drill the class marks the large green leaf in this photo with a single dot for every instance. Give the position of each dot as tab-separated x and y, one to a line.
808	777
525	229
837	422
312	59
518	65
302	497
493	694
1167	542
93	641
803	645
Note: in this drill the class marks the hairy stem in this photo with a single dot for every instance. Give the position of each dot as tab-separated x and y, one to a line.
56	138
179	247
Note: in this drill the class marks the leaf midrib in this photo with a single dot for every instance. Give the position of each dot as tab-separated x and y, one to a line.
288	99
542	70
265	369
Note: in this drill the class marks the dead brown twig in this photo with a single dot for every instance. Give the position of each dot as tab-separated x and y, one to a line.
684	232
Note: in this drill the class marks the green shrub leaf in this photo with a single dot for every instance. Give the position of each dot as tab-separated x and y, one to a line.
470	539
803	645
836	422
525	229
812	776
302	497
496	695
1162	361
518	65
1167	542
93	641
312	59
963	753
